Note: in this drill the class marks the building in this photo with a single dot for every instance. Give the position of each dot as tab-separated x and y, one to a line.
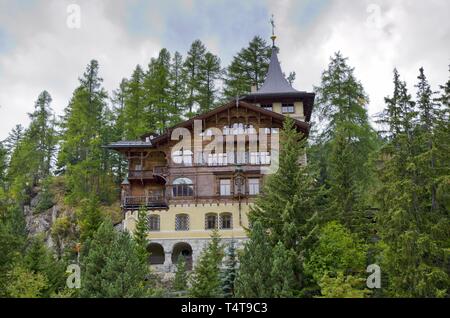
190	187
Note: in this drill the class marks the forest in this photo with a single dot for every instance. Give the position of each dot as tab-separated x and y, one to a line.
374	191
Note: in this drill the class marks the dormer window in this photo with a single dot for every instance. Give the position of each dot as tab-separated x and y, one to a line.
287	109
267	107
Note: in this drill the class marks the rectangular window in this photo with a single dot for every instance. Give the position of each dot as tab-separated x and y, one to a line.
267	106
225	187
253	186
287	109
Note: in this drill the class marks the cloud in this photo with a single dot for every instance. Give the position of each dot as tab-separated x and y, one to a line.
376	35
49	55
38	51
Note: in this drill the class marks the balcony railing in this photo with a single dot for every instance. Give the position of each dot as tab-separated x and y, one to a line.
147	174
149	201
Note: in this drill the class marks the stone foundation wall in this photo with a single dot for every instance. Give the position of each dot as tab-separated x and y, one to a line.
197	246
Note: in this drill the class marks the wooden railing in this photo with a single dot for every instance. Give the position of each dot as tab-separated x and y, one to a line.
147	174
149	201
161	170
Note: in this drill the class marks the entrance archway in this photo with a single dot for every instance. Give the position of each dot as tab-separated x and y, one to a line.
185	250
157	255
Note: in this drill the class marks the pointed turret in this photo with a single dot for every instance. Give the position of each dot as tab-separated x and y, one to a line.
275	81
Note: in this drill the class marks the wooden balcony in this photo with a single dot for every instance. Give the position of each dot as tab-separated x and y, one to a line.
156	201
148	174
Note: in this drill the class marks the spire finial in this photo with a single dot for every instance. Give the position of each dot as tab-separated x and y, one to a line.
273	37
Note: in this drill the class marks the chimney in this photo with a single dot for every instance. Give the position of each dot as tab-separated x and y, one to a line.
253	89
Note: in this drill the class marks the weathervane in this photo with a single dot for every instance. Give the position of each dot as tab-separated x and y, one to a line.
273	37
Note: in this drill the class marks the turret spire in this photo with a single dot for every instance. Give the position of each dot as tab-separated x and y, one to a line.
273	37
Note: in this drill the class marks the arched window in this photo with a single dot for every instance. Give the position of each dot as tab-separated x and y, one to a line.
182	222
183	187
153	223
210	221
226	221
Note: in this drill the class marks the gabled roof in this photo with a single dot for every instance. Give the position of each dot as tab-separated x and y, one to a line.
302	126
275	82
130	144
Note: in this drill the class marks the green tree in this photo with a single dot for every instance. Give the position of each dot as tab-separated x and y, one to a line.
249	67
111	265
191	72
229	272
283	277
414	235
140	234
39	259
23	283
210	72
336	251
346	140
89	217
85	130
180	282
254	276
134	109
205	279
287	205
178	92
161	113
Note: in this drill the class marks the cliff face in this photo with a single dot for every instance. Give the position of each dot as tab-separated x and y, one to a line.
57	221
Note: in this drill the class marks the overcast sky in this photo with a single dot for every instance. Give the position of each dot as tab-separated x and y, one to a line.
38	50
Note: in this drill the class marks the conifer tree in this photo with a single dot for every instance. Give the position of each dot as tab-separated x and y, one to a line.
230	271
85	130
249	67
89	217
413	234
111	265
177	87
210	71
180	282
283	277
205	279
140	234
287	205
191	72
254	275
161	113
14	136
134	109
347	140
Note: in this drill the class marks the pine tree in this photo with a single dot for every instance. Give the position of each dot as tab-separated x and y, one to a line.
205	279
413	234
287	205
210	71
161	113
14	136
177	87
229	272
282	275
180	282
31	161
85	163
134	109
191	72
140	234
254	276
347	140
111	265
249	67
89	217
41	260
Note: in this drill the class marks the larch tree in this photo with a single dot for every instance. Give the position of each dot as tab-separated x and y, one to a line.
210	73
248	68
191	72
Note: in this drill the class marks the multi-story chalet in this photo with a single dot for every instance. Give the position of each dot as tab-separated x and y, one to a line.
189	188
